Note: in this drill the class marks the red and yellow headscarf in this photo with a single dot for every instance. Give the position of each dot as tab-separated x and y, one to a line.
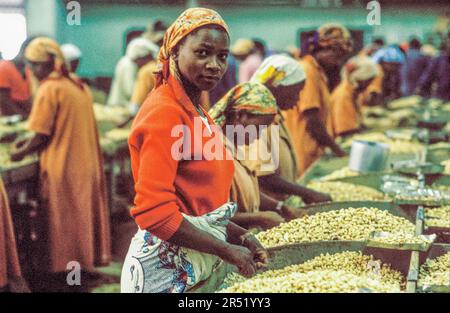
335	35
331	35
186	23
42	49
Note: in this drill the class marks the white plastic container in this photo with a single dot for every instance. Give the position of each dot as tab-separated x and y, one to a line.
368	156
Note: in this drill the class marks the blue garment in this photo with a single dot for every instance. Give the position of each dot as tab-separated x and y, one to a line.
391	54
437	73
228	81
415	64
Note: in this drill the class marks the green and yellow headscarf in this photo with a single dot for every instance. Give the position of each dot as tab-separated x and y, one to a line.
251	97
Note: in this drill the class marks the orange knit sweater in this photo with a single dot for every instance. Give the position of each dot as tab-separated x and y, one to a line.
164	186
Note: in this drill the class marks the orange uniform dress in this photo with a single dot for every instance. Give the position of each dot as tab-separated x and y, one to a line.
169	179
315	95
345	111
245	189
9	260
144	83
72	184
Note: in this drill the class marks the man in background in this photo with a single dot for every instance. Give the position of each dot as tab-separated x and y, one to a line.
73	55
415	64
139	52
245	51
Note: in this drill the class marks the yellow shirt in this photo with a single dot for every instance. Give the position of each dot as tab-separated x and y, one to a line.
315	95
376	86
287	161
286	166
144	83
345	111
245	189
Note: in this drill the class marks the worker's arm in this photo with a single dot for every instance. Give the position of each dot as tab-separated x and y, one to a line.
189	236
239	235
263	219
24	147
9	106
374	98
317	130
278	184
351	132
286	212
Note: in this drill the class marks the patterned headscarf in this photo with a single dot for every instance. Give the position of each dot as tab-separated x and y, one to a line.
332	35
188	21
251	97
42	49
279	70
359	68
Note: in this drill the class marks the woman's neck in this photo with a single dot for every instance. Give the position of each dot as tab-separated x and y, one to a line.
192	92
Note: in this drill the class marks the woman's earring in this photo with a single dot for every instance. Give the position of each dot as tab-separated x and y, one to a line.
175	54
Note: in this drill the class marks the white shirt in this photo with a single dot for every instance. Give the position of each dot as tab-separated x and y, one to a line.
122	86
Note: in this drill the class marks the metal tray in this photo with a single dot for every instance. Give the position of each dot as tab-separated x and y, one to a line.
426	169
438	154
382	205
442	233
433	124
283	256
375	180
436	251
328	164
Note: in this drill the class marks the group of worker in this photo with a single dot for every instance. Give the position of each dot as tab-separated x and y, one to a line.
191	212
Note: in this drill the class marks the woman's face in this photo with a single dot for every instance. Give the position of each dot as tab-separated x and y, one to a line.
363	84
330	57
246	119
287	96
202	57
41	70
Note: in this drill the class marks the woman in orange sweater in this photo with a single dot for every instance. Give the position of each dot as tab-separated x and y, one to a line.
181	195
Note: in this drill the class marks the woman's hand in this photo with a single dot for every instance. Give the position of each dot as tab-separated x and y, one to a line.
241	257
17	150
290	213
269	219
316	197
339	152
260	254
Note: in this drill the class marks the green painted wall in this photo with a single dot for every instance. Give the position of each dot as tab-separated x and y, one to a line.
101	33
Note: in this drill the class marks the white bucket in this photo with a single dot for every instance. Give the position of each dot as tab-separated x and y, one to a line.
368	156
